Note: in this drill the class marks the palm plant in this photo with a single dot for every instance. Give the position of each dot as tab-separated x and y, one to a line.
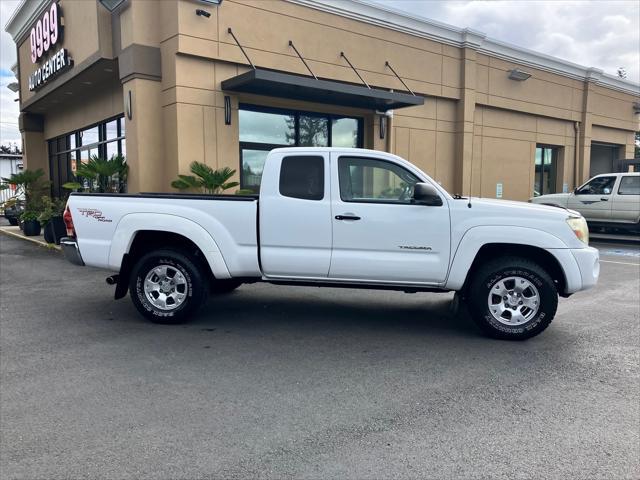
28	183
205	178
103	175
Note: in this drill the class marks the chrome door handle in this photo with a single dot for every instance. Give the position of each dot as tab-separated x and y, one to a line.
347	217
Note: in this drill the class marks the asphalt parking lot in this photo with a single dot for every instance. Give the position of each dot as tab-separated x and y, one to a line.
285	382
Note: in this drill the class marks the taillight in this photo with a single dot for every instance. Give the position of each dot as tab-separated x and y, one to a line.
68	221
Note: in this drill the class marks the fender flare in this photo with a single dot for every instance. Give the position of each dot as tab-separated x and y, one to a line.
477	237
129	225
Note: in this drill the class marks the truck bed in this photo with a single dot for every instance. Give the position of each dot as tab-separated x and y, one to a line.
226	225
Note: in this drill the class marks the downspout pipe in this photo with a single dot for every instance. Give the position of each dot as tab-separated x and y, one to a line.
576	183
389	120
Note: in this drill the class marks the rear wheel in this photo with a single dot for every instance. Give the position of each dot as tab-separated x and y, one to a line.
13	221
512	298
167	286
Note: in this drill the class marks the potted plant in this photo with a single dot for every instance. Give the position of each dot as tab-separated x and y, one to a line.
31	225
29	186
51	219
206	179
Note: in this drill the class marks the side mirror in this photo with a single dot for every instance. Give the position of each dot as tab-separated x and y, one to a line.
425	194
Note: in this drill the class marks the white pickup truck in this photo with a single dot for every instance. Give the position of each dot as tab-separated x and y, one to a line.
341	218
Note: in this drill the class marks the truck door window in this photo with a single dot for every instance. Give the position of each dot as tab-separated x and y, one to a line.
597	186
629	185
302	176
374	181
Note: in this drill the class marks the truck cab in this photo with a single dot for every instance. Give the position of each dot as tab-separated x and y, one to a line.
351	216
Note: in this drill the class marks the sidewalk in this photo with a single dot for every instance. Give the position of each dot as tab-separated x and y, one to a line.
17	233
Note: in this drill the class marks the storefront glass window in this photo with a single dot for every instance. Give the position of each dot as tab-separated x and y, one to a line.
66	152
314	131
112	149
112	130
263	129
252	165
84	155
90	135
545	171
344	132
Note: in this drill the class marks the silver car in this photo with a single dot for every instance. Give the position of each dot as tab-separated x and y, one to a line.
609	200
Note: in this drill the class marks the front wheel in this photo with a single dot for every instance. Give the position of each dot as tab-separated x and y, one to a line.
167	286
512	298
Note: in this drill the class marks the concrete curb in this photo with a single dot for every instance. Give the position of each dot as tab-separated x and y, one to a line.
17	234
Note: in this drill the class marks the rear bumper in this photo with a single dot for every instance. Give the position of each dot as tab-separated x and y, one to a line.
71	251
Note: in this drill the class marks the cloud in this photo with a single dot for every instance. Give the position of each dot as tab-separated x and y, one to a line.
594	33
9	108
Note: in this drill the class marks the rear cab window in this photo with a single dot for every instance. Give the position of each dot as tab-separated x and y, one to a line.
302	176
629	185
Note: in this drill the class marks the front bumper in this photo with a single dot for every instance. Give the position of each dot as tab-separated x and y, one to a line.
588	260
71	251
581	267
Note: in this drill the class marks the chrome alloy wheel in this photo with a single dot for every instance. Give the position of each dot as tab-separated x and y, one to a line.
513	301
165	287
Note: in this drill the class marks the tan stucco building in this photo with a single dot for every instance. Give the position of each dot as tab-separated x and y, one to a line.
165	83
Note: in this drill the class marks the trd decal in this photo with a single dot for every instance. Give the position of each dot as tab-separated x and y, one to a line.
94	213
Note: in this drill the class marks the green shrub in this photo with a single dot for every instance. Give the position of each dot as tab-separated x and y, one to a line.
29	215
206	179
50	208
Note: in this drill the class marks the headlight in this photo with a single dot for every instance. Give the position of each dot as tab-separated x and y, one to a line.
580	228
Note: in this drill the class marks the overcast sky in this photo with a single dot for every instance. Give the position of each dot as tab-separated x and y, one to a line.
592	33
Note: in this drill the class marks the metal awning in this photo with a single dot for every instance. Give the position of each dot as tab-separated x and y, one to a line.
299	87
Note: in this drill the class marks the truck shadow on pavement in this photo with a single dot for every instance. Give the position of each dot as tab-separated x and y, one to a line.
264	307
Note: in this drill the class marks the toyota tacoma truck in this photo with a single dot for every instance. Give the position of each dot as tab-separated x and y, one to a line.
337	217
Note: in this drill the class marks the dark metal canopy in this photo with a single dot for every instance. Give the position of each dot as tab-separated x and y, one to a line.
298	87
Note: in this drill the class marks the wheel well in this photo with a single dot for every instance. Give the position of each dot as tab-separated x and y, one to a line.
148	240
539	255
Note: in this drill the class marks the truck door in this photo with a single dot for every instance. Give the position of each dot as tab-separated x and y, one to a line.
626	201
378	234
593	199
295	215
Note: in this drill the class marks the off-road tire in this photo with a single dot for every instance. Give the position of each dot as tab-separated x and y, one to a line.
196	289
492	272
